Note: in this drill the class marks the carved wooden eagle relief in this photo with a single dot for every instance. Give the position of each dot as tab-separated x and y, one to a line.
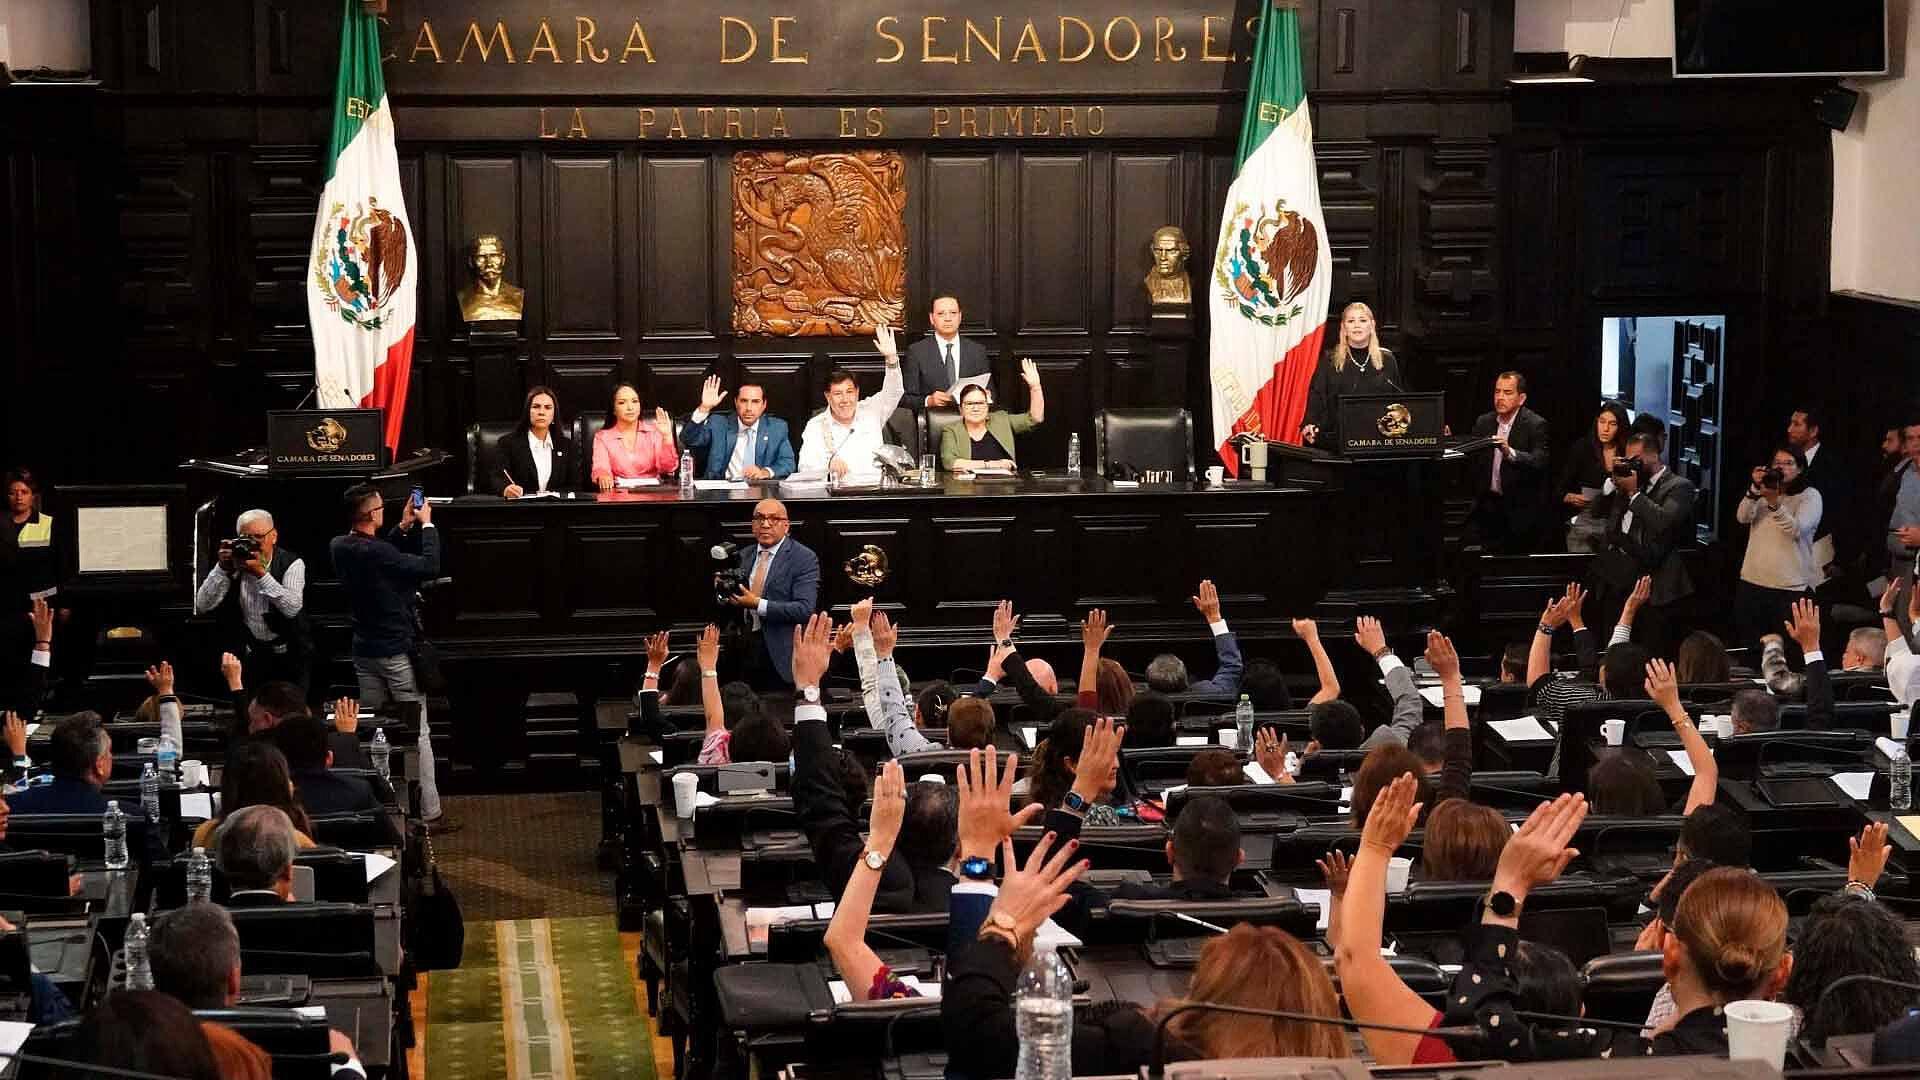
819	242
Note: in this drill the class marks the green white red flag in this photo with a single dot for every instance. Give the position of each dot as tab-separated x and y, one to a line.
1272	268
360	299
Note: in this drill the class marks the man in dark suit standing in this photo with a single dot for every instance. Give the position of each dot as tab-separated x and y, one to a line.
1651	523
936	364
783	584
1510	477
749	445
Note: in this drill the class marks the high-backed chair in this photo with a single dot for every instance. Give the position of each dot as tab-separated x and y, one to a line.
323	940
299	1045
939	420
483	454
1144	439
907	429
585	427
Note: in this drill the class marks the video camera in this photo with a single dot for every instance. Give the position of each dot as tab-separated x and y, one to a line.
729	580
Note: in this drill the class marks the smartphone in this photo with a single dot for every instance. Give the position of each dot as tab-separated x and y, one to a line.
419	498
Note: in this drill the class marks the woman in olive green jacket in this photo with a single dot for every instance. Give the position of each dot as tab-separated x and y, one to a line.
983	439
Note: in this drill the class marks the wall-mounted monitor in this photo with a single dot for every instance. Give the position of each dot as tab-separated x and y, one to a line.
1715	39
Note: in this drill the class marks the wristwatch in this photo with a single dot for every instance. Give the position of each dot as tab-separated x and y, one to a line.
874	860
1004	643
1503	904
1075	802
810	694
976	869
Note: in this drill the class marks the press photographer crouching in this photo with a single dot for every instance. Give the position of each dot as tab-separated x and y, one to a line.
1650	523
256	592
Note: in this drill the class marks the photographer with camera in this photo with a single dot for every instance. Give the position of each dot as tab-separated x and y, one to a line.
775	584
256	593
1650	523
1782	513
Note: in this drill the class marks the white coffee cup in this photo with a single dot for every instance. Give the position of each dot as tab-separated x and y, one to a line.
685	787
1398	871
1217	475
932	778
1723	726
1229	738
1758	1030
1614	731
193	774
1900	719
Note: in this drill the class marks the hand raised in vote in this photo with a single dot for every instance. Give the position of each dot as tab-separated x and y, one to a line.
656	652
812	648
843	638
862	611
708	650
885	635
160	677
1207	601
16	732
230	667
710	394
1368	635
883	343
1005	622
346	716
1030	373
1662	688
1270	752
1441	656
663	422
1094	631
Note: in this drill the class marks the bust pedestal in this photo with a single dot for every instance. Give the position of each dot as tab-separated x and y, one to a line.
499	382
1170	329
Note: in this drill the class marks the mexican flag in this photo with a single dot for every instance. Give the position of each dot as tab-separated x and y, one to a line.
1272	268
360	300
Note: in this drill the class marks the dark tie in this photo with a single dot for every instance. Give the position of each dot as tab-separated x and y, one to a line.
953	373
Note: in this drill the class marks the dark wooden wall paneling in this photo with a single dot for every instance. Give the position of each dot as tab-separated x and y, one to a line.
155	265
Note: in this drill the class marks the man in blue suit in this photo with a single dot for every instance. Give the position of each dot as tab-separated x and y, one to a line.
749	445
81	755
783	583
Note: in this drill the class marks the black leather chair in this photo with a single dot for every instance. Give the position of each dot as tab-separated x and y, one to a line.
1621	987
34	873
359	831
938	420
585	427
907	429
78	835
483	454
338	877
299	1045
324	941
1144	439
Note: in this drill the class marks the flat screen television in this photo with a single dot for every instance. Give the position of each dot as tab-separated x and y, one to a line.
1715	39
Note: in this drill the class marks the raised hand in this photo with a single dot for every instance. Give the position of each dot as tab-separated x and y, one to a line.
1662	687
1305	629
707	651
861	612
656	652
710	394
230	668
885	635
1537	852
1805	625
1207	601
986	794
1575	598
1369	636
1005	622
812	648
1098	768
41	614
1270	751
1029	373
16	736
889	809
883	343
1030	894
1335	868
1442	657
160	677
1393	816
346	715
997	661
1867	854
843	637
663	421
1094	631
1556	613
1642	590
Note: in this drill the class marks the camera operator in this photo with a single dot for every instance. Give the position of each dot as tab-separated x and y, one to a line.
256	591
1782	512
781	585
1651	521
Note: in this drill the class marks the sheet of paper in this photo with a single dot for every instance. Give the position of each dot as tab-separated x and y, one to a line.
720	485
628	483
1681	761
1855	784
702	800
1228	737
196	807
1030	736
1522	729
1433	695
1168	792
991	474
759	918
1886	746
537	495
312	1012
972	380
32	729
377	864
1323	897
1346	796
1911	823
121	539
841	995
1052	932
658	757
12	1034
1255	774
1189	740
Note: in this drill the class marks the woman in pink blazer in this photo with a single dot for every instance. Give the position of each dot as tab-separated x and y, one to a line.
626	448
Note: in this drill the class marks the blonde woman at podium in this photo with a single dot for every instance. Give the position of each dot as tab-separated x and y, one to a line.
1357	364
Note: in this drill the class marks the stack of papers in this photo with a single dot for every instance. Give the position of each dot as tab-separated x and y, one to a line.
1855	784
1189	740
1522	729
720	485
1433	694
629	483
843	996
196	807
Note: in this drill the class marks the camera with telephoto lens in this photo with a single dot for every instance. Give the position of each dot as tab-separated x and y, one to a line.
244	548
1773	479
729	580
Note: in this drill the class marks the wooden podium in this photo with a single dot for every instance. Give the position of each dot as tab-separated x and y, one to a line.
1394	507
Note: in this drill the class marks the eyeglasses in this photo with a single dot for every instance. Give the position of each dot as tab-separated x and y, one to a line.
768	519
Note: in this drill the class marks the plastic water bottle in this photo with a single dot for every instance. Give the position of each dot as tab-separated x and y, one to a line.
686	474
1043	1018
113	826
380	752
1073	453
199	877
166	757
139	968
150	792
1900	797
1243	723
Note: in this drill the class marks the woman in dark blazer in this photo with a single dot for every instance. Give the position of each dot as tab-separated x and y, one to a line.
1358	364
1588	464
535	456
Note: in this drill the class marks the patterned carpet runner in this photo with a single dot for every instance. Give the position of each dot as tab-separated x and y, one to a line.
537	999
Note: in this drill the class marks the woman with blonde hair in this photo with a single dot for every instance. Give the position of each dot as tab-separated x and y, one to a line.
1357	364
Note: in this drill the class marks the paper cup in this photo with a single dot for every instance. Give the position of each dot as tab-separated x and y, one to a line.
147	746
1228	737
1900	719
1758	1030
1398	871
1614	731
932	778
685	786
1724	725
193	774
1216	475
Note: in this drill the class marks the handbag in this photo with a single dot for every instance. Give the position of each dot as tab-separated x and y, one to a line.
437	935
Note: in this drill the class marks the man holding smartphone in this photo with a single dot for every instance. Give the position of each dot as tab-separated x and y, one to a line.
381	574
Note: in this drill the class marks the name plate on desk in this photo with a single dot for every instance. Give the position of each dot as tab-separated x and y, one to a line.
325	441
1391	425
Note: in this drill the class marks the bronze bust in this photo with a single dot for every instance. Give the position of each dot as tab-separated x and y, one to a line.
490	297
1167	282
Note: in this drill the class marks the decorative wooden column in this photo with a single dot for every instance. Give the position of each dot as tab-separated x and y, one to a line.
499	378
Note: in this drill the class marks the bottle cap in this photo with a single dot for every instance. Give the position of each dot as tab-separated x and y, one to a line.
198	850
113	804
